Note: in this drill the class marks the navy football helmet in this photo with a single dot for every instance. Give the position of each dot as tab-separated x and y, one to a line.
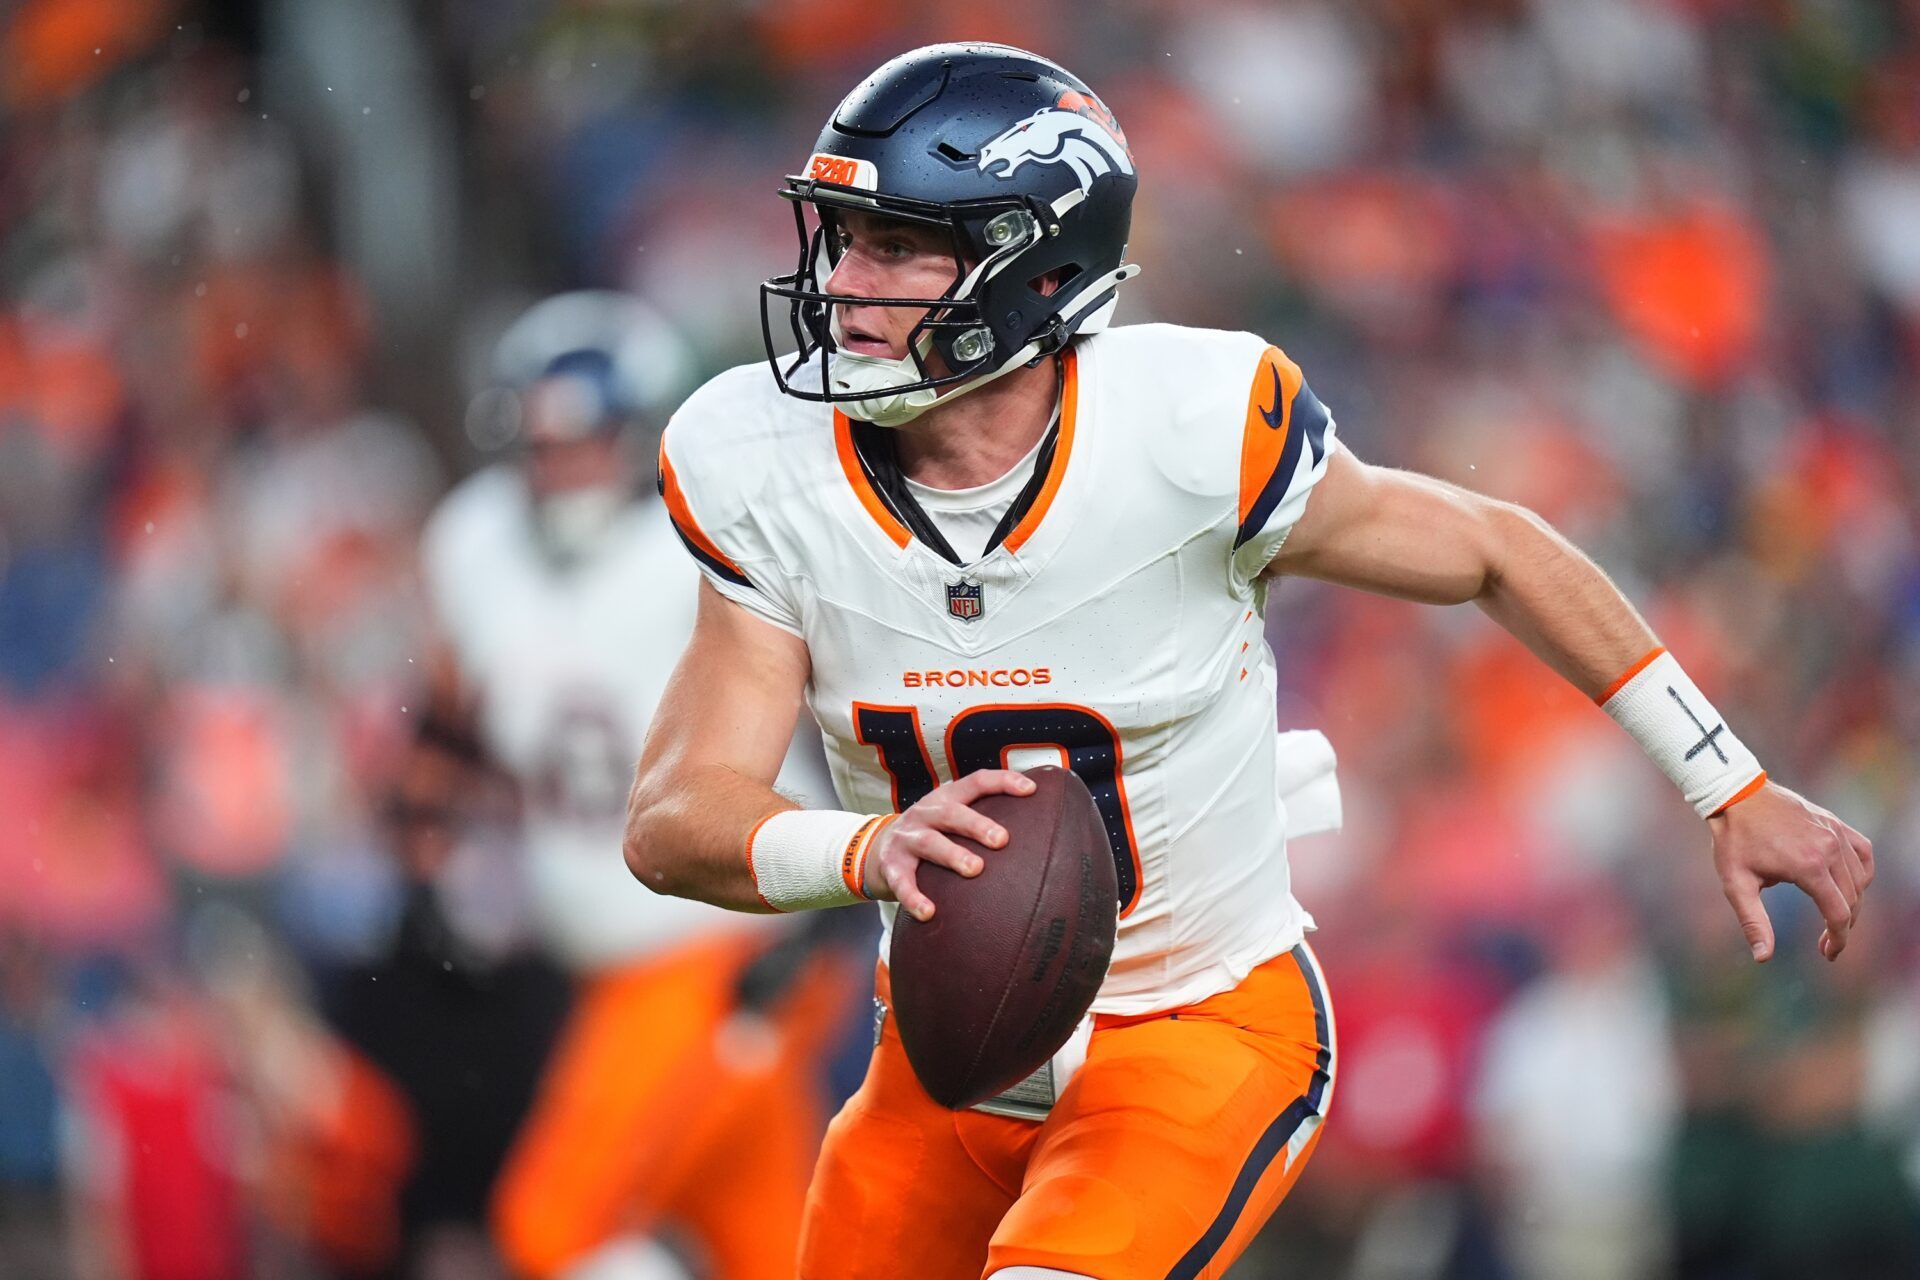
1016	159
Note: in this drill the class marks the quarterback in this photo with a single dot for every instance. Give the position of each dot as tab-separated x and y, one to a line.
977	528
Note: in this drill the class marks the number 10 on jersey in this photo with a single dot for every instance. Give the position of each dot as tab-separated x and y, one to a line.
983	737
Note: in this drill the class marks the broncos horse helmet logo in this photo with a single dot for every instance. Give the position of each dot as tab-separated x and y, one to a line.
1056	136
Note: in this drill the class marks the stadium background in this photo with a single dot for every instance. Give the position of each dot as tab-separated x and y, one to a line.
1651	267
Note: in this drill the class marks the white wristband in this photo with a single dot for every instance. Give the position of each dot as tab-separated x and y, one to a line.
801	859
1678	728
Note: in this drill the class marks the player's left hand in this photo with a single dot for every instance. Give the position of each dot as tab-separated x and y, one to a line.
1778	837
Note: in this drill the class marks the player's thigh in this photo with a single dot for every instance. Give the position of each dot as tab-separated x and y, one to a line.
742	1194
743	1199
624	1091
904	1187
1179	1136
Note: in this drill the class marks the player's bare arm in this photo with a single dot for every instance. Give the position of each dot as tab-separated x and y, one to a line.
705	779
1411	536
706	772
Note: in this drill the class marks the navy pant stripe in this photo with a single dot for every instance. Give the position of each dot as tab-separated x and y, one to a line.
1272	1142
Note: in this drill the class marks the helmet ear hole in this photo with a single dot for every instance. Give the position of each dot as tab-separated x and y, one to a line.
829	233
1048	283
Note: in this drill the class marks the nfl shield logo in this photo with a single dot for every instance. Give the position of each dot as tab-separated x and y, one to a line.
963	600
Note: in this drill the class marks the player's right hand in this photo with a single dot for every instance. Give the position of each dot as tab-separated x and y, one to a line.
1776	836
921	832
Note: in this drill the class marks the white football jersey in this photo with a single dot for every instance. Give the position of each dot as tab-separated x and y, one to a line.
1117	629
568	664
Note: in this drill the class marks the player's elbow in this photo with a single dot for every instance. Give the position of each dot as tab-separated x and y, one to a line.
638	848
1509	536
648	841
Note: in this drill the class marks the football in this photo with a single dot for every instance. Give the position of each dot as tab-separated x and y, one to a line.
988	990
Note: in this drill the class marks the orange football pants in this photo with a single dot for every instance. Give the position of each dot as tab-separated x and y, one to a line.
660	1106
1163	1157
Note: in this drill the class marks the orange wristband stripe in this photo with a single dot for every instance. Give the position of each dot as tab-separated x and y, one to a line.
853	863
753	875
1646	660
1741	794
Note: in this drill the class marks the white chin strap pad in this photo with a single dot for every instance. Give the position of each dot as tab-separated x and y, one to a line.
876	381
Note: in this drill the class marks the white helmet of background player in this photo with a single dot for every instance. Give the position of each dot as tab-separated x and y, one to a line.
583	382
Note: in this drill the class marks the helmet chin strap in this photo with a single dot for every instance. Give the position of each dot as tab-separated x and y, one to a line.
880	377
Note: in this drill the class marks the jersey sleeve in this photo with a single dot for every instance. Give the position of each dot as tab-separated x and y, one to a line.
714	521
1284	446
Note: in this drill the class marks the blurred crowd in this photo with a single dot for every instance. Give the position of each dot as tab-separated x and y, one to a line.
1651	267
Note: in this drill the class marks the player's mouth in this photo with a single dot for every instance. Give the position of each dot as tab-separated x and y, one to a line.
864	342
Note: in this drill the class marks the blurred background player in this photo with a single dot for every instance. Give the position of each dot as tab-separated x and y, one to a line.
563	598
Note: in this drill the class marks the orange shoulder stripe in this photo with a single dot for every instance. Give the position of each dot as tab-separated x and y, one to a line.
689	529
1263	440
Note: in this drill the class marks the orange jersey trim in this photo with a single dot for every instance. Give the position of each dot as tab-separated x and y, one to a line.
683	520
1069	411
891	526
919	745
1263	439
862	487
1620	682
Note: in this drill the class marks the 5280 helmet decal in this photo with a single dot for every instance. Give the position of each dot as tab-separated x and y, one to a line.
1029	175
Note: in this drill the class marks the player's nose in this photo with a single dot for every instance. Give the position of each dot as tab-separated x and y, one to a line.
850	278
862	273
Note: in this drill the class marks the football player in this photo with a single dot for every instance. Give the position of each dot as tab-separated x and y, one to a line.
562	598
975	527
